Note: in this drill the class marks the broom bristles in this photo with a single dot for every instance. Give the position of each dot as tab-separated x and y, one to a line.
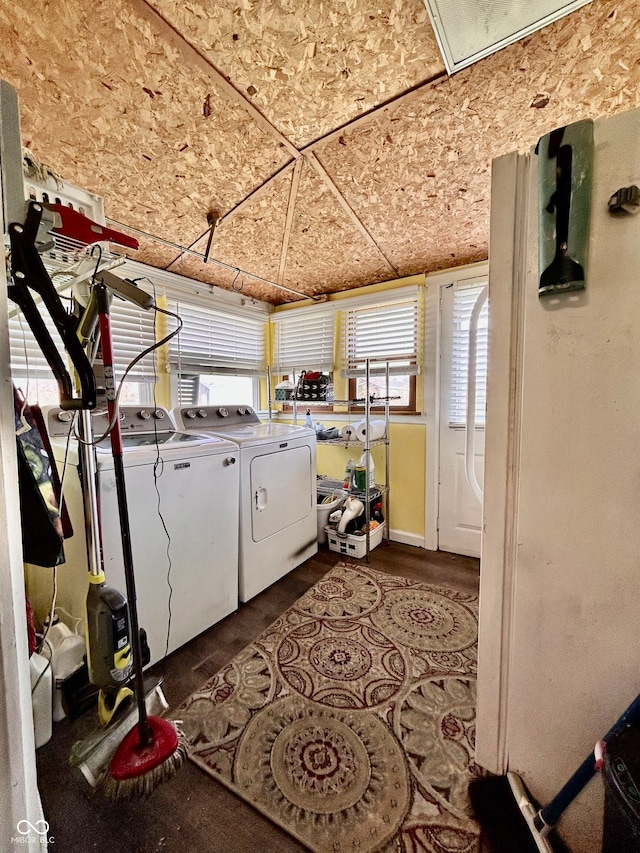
143	785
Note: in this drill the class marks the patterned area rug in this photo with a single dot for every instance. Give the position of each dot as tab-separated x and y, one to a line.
350	722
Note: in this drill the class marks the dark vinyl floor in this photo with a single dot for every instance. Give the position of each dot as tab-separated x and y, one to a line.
193	812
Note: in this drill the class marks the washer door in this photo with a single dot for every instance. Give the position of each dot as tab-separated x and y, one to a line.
281	490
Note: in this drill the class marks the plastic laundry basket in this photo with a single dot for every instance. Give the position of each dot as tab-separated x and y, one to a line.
621	773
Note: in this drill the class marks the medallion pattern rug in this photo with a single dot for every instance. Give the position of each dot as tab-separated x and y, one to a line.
350	721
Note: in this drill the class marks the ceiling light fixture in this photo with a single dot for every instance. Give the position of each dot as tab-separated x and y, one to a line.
469	30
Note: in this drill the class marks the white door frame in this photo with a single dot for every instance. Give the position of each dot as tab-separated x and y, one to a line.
19	798
511	187
434	284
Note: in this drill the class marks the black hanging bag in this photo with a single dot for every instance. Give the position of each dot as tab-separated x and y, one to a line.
44	523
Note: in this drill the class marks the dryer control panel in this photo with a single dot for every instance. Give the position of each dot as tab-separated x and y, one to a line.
214	417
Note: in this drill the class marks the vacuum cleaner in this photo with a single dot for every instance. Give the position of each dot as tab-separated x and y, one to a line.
153	749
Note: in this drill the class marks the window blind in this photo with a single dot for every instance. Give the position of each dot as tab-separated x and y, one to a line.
27	359
384	332
303	340
464	298
212	341
132	331
188	389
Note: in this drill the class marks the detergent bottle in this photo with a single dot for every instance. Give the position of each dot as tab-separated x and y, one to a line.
308	422
365	471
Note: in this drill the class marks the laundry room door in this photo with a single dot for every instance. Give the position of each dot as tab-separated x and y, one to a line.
461	457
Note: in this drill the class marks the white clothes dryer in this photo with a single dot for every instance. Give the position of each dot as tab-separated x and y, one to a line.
278	516
182	495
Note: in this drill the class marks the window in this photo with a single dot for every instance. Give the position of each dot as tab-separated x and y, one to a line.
204	389
464	299
402	390
303	340
132	331
385	332
218	353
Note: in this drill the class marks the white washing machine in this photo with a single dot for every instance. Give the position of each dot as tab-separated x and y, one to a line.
187	576
278	516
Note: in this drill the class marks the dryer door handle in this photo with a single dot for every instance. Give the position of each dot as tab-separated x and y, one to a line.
261	499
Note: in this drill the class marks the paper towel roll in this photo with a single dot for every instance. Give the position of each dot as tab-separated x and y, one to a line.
348	431
376	430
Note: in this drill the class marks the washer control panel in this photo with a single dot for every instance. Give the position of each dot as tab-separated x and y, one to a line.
132	419
214	417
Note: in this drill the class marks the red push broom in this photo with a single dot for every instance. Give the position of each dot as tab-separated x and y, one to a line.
154	749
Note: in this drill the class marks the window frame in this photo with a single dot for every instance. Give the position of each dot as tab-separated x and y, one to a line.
409	409
355	362
290	359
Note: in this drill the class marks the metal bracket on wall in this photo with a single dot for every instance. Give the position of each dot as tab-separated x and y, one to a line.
625	200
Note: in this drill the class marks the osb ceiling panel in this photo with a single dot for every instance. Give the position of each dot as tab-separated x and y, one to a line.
117	112
310	67
170	109
251	239
323	231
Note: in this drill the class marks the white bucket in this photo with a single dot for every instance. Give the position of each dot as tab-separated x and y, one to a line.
40	671
324	511
67	652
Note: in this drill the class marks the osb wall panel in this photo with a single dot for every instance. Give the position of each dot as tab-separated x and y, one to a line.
438	147
325	248
113	110
309	67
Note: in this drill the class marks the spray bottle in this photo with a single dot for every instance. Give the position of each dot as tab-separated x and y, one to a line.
348	475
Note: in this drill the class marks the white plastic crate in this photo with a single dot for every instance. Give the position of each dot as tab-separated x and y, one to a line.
352	545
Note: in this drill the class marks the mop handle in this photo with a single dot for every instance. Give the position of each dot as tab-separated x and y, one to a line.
146	734
549	815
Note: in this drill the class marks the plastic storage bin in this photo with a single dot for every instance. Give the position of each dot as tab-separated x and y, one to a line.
352	545
621	773
67	652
